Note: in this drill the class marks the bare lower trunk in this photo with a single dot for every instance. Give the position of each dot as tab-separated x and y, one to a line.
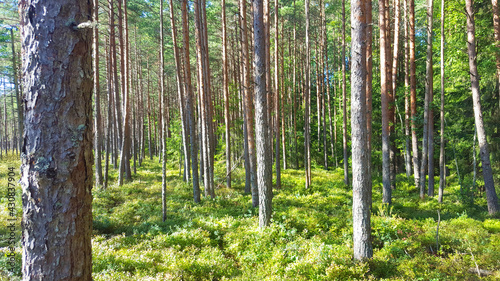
361	183
264	168
491	195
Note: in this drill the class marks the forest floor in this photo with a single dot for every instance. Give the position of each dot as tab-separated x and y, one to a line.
310	237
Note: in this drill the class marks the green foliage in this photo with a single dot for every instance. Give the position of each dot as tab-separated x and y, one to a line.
310	237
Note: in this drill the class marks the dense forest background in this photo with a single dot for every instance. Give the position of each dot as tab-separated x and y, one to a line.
145	196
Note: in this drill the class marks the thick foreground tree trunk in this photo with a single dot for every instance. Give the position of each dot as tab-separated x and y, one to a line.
57	153
361	183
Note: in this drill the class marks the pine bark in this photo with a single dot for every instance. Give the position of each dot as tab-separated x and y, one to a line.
264	168
57	159
361	183
491	196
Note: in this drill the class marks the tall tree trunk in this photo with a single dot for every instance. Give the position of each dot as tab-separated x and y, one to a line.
227	117
430	141
109	126
264	168
163	122
491	196
204	93
442	156
427	102
294	89
369	87
150	120
97	98
307	98
406	93
394	83
277	97
344	101
413	94
360	166
385	98
56	171
190	104
329	100
124	169
16	88
181	97
249	106
269	88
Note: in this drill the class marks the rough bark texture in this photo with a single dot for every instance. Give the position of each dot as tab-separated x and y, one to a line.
442	156
384	90
361	184
57	153
264	168
491	196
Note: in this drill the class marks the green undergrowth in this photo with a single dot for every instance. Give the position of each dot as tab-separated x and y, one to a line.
310	237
